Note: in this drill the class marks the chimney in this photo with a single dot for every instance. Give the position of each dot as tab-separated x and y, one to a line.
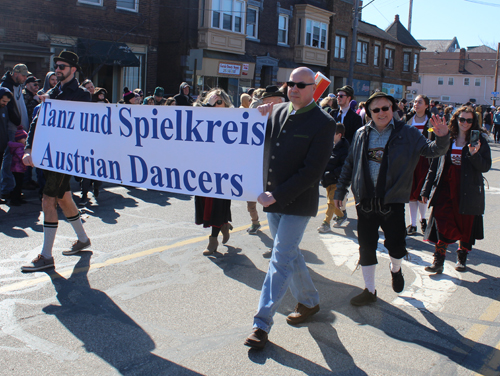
461	60
396	18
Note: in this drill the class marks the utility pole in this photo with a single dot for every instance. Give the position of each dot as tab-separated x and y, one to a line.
496	75
409	16
354	42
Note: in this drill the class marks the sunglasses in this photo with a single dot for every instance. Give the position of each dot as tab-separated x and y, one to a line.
463	120
300	85
219	102
377	110
60	66
341	95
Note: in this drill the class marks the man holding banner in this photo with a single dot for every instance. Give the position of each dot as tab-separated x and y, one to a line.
57	188
299	141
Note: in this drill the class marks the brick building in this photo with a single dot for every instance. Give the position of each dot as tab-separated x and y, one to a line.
116	40
237	44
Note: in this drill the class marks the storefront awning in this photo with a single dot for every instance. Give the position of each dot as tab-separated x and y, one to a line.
93	51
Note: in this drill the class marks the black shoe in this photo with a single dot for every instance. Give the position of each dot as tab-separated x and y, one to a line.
438	264
461	260
257	340
398	282
366	297
423	225
411	230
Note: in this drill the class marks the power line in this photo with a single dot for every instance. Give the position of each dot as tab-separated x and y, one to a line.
483	3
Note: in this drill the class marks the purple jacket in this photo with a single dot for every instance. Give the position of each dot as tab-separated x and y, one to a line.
17	151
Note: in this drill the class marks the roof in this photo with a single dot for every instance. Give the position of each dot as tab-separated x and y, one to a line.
482	48
446	63
398	31
372	30
440	45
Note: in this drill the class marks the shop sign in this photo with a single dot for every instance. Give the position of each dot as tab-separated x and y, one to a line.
228	68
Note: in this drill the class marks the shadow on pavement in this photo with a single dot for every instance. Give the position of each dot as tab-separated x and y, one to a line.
105	330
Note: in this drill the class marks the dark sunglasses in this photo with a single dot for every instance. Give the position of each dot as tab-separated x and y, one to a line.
60	66
377	110
300	85
463	120
219	102
341	95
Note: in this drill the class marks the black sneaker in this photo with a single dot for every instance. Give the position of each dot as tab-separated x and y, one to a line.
411	230
257	339
423	225
366	297
398	282
39	263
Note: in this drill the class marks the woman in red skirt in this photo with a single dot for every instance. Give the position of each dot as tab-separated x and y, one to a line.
419	118
214	212
455	190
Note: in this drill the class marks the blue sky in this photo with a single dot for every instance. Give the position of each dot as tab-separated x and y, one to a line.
473	23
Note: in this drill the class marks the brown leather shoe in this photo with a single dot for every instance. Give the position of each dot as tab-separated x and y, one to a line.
301	314
257	340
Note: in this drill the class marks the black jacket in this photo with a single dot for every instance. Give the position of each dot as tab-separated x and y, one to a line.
335	163
14	115
181	99
297	148
352	122
69	92
402	153
472	200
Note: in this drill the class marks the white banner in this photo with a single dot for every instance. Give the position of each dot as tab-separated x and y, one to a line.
212	152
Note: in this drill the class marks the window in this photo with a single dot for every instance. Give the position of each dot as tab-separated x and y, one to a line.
362	52
283	29
227	15
477	82
132	5
440	80
466	81
406	61
415	63
451	81
316	33
252	22
389	58
339	52
93	2
376	55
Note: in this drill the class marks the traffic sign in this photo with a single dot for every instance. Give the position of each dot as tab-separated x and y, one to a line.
495	98
495	93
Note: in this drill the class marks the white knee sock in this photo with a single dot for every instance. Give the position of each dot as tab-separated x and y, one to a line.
77	224
369	277
49	235
413	212
422	208
396	264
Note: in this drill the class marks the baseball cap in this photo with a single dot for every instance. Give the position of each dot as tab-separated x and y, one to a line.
32	79
22	69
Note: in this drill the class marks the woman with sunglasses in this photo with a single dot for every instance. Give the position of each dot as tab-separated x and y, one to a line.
419	118
454	188
214	212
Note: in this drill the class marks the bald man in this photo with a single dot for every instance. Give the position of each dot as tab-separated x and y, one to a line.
299	141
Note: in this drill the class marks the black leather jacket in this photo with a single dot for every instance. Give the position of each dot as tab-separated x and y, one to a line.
404	147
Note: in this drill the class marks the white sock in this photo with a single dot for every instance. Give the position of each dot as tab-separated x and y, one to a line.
422	208
49	235
77	224
369	277
395	264
413	212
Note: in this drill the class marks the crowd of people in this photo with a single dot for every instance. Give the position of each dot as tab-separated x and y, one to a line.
388	153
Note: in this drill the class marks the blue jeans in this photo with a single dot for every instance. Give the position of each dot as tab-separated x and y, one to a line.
7	181
287	268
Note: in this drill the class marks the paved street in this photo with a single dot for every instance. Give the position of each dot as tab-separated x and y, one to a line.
144	301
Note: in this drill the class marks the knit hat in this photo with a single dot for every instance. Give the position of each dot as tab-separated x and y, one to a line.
159	92
20	134
127	94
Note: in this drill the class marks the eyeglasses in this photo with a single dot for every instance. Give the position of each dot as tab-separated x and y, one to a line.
219	102
300	85
377	110
341	95
463	120
60	66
